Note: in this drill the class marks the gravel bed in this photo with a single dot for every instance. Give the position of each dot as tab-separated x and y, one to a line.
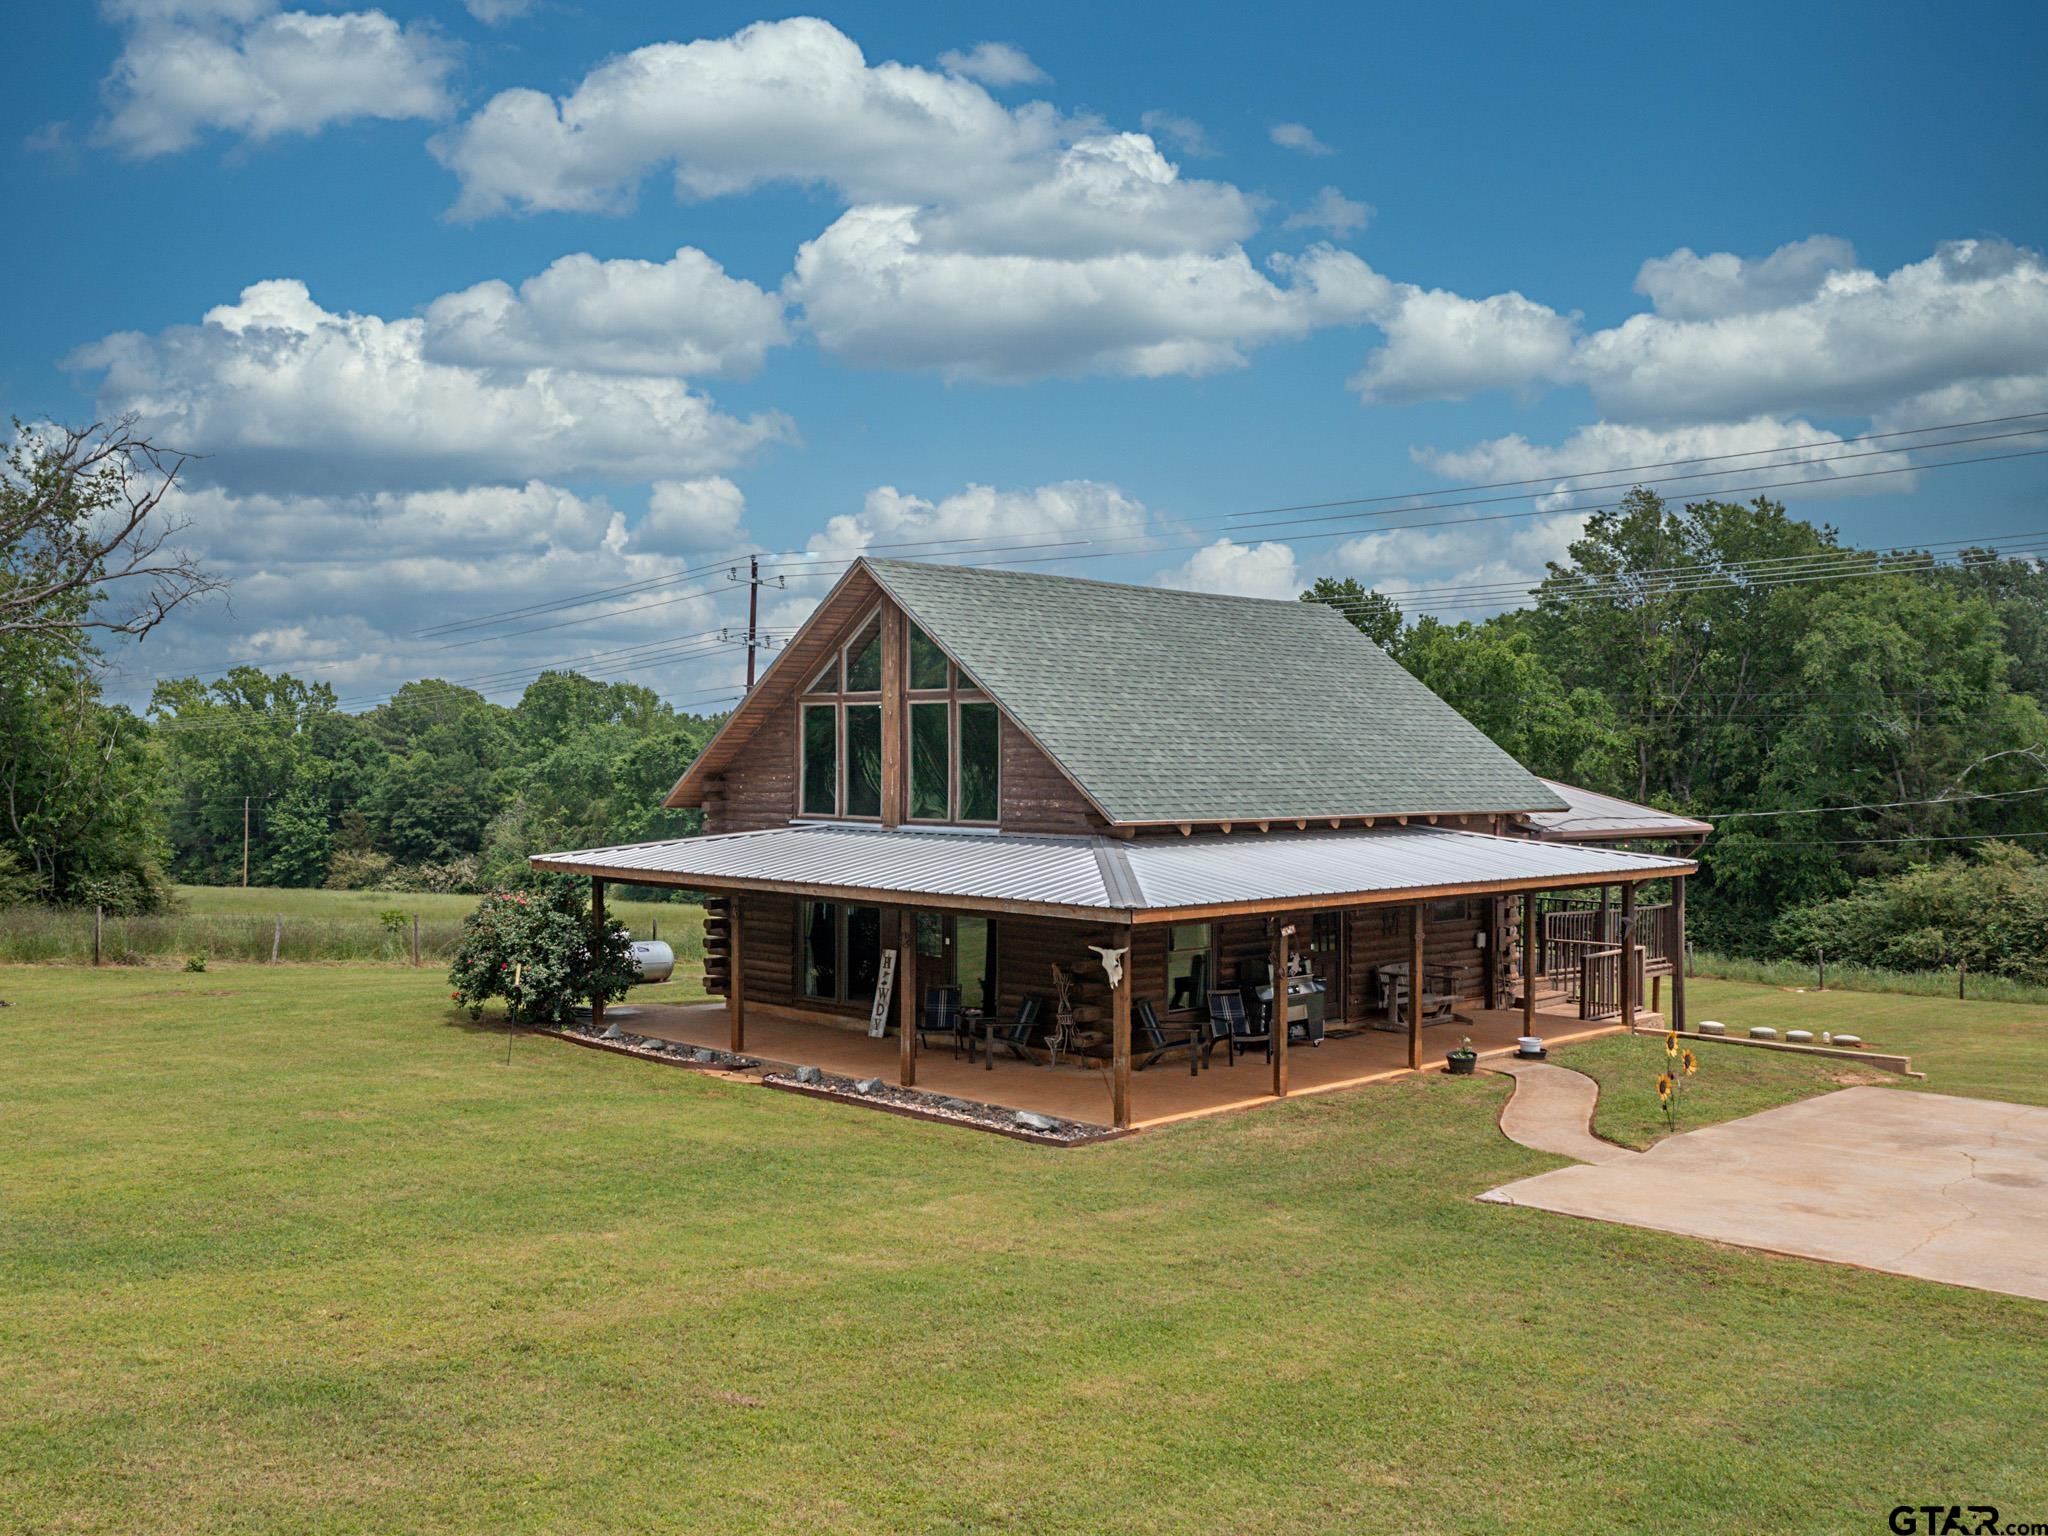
939	1106
662	1050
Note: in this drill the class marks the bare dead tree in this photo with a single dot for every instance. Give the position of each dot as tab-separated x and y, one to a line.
84	538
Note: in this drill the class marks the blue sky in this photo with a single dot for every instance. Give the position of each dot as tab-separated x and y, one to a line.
1134	267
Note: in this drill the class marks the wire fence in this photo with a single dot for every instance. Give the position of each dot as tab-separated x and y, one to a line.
79	935
1975	986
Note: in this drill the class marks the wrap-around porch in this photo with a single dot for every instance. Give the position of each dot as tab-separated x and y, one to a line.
1083	1091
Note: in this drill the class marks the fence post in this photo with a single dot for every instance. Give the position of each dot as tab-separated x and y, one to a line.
1823	968
99	914
415	938
1962	974
276	938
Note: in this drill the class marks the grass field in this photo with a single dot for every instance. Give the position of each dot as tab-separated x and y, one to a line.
229	923
296	1250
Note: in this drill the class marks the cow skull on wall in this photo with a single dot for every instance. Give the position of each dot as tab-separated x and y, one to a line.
1112	962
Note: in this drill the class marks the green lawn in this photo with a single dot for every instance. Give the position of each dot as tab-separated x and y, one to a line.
1984	1050
296	1250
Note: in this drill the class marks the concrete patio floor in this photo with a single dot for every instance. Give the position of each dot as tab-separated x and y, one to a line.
1921	1184
1160	1095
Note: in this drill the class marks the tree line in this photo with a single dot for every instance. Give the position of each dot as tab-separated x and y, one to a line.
1840	716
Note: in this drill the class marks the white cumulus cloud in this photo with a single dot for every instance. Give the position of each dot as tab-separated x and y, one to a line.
1265	569
976	516
691	515
285	395
1298	137
683	316
789	101
875	295
996	64
1974	310
1333	211
1685	286
249	69
1443	346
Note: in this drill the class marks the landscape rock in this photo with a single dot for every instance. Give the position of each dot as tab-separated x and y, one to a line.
809	1075
868	1085
612	1032
1036	1122
702	1055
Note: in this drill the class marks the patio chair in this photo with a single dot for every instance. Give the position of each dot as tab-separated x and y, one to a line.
1152	1040
1022	1033
1234	1028
941	1016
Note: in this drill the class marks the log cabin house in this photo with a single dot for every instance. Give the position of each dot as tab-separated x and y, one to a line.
1141	803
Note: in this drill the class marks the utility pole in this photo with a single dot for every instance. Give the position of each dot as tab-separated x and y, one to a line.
756	639
753	612
245	842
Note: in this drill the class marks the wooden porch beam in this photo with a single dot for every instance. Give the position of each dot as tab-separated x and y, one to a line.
1528	962
1678	959
1415	921
1277	1021
736	984
906	997
1629	1000
596	948
1120	1040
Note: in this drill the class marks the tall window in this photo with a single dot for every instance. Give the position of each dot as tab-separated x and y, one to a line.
842	951
955	740
842	730
1187	966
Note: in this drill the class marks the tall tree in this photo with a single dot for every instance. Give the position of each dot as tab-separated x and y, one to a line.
1374	614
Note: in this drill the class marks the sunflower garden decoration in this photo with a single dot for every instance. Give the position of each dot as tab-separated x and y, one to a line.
1679	1064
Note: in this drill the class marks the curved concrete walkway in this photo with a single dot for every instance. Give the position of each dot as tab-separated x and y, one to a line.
1552	1111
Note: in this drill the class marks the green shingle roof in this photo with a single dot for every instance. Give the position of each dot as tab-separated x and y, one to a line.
1185	706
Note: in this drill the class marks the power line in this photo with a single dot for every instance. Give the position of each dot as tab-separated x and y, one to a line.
1430	497
1880	805
1960	837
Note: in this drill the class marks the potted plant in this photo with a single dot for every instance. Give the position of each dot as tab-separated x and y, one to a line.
1463	1059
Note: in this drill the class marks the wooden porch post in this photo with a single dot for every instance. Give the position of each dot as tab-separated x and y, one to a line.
1278	1021
906	997
596	947
1120	1040
1678	959
1528	962
736	975
1629	1000
1415	921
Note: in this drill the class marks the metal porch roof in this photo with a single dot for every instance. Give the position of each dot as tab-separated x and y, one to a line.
1592	817
1107	877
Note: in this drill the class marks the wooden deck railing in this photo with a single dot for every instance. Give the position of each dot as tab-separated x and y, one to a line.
1598	986
1568	932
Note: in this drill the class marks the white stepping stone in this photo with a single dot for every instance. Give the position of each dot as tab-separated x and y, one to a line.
1848	1039
1799	1036
1713	1027
1763	1032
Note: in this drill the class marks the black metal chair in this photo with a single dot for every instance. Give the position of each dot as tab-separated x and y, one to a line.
1021	1033
941	1016
1153	1040
1234	1028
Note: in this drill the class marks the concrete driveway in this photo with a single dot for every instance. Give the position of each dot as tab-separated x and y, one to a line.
1920	1184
